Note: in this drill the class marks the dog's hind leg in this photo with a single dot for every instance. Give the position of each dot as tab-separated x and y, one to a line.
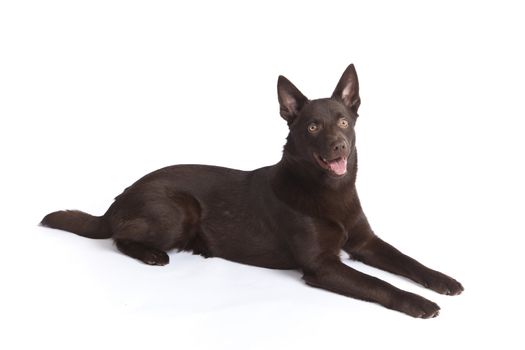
146	229
145	239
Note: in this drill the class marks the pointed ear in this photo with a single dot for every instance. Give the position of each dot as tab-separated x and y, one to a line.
291	100
347	90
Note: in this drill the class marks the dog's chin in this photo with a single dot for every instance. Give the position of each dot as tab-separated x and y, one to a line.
335	168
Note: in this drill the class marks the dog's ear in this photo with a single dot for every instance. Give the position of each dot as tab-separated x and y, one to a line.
291	100
347	90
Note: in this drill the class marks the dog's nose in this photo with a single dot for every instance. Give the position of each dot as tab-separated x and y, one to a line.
339	146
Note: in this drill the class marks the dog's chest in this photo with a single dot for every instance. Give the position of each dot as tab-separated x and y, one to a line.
343	209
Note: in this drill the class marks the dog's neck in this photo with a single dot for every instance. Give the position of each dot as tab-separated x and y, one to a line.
308	175
308	189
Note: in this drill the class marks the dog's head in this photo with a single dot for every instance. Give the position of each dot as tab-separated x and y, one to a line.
321	131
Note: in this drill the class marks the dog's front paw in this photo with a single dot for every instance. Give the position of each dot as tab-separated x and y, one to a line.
416	306
443	284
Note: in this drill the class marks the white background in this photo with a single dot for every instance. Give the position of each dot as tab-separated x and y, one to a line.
95	94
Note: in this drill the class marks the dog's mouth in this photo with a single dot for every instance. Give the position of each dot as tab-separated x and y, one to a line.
335	166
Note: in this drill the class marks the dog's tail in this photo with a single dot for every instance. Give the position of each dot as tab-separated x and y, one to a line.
79	223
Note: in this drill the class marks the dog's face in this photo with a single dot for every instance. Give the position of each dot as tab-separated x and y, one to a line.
321	131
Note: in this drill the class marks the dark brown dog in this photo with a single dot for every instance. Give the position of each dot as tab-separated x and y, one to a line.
296	214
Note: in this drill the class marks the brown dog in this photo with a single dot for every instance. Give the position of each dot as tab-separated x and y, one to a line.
297	214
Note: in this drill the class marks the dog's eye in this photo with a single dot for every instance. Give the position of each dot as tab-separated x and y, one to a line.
343	123
313	127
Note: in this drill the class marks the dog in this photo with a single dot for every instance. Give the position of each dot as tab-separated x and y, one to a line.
297	214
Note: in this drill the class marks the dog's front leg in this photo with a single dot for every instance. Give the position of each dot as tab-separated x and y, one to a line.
365	246
333	275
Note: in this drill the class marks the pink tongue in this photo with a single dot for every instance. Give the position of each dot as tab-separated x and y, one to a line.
338	166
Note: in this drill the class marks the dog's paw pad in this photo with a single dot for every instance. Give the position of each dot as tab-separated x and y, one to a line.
156	258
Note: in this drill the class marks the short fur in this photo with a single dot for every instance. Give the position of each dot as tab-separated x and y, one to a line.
297	214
